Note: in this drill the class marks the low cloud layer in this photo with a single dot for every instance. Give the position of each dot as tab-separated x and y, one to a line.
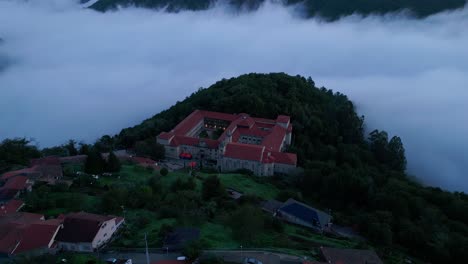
76	73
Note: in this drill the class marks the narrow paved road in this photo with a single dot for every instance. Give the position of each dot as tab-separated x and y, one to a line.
137	258
235	256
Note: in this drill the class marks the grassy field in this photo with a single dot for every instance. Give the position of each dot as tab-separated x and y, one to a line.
239	182
248	185
215	234
129	174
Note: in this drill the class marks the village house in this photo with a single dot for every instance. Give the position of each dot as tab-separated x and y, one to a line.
86	232
299	213
13	187
47	170
349	256
233	142
27	233
11	206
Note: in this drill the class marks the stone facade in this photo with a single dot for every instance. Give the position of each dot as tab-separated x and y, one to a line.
256	144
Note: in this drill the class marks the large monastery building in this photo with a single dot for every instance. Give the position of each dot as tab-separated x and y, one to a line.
233	141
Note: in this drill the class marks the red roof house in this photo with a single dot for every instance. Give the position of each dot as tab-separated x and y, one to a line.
85	232
25	232
13	187
11	206
243	138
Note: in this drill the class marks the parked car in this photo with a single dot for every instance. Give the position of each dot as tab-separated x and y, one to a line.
118	261
252	261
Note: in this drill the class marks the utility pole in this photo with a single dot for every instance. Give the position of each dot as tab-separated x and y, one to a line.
147	254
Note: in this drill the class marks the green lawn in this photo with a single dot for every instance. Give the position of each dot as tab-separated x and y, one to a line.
302	234
240	182
249	185
217	236
129	174
214	234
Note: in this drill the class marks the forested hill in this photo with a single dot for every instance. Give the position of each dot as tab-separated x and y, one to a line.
361	176
328	9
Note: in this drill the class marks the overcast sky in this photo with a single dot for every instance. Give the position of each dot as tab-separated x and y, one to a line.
79	74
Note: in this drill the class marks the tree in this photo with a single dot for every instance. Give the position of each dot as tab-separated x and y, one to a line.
94	163
71	147
192	250
84	148
105	144
212	188
247	222
114	199
55	151
150	148
397	154
378	144
113	163
18	151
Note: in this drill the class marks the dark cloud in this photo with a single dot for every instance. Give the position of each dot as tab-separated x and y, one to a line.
79	74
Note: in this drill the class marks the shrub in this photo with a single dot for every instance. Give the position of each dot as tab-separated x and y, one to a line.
164	172
192	250
245	172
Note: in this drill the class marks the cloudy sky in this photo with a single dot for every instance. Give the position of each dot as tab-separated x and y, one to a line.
76	73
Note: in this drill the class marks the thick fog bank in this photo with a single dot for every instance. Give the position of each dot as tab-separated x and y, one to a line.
76	73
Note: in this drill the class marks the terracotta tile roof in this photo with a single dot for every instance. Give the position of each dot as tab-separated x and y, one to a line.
244	151
165	135
46	161
73	159
218	115
46	169
21	172
16	183
256	131
22	232
11	206
264	121
8	194
274	139
271	134
9	238
283	119
285	158
81	227
350	256
246	121
21	218
39	235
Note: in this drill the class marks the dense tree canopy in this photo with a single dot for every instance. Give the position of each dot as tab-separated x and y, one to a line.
328	9
16	153
361	177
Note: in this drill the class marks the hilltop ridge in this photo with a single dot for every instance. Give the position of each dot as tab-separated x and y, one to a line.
328	9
